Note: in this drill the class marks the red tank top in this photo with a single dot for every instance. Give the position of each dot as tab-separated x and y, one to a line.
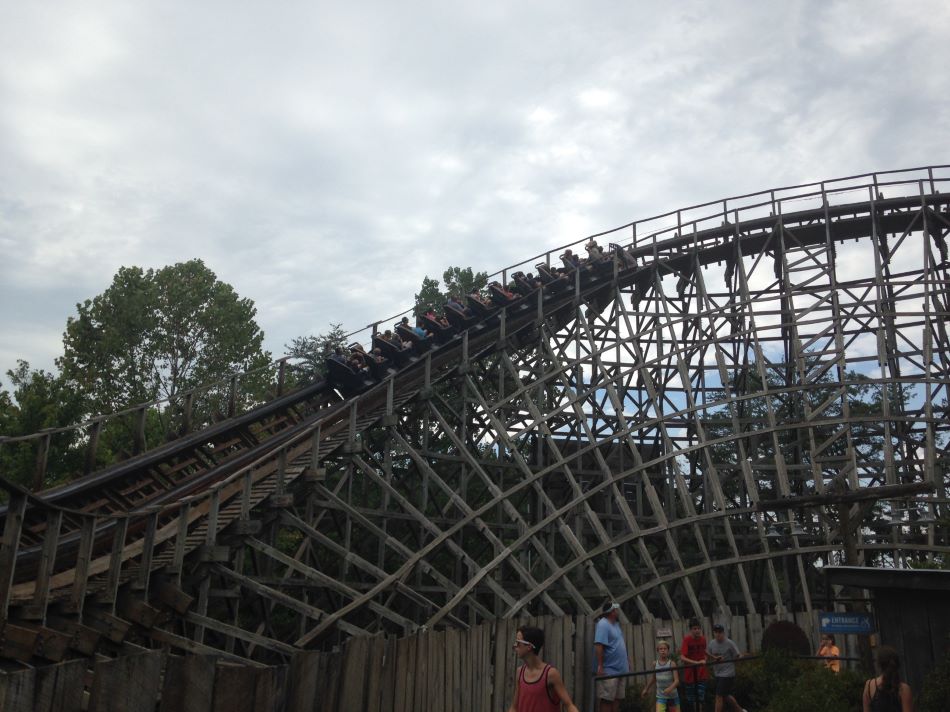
534	696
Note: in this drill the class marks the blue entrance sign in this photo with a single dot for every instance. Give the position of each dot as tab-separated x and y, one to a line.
860	623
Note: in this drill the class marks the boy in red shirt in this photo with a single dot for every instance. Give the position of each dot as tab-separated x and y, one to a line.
693	652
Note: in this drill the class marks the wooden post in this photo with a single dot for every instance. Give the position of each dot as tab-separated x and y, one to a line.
115	562
148	547
87	535
281	377
186	412
9	547
42	455
94	431
211	536
54	520
281	471
232	396
181	538
139	443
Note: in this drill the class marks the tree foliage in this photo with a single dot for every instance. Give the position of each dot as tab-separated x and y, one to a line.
39	401
313	351
153	334
459	281
429	297
786	636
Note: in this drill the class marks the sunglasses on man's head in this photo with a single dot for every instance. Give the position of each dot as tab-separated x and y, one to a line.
522	642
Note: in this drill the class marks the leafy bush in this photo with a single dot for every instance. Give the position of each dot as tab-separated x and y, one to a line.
818	688
936	692
785	635
779	683
633	702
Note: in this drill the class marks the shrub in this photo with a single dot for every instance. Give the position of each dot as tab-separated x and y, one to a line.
936	692
818	688
777	682
785	635
633	702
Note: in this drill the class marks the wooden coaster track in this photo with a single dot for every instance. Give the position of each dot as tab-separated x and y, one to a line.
535	489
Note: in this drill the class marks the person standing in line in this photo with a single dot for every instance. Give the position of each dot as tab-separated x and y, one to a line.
610	657
723	652
828	650
693	652
666	678
887	692
538	685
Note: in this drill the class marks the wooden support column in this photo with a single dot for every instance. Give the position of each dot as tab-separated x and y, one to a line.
148	547
211	537
87	537
108	595
12	528
37	607
42	456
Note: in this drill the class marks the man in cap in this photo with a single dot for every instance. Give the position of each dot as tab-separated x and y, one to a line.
722	651
610	657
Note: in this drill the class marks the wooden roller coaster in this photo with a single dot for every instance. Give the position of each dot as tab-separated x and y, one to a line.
732	396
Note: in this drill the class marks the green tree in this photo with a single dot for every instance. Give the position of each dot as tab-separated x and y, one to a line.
313	352
458	281
153	334
429	297
39	401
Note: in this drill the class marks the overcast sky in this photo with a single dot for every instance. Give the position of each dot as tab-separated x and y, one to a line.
323	157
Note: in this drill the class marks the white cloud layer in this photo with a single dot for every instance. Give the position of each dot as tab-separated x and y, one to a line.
324	157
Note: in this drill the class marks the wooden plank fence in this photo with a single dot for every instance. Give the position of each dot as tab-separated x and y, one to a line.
471	670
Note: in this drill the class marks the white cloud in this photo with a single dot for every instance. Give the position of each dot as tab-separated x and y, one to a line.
597	98
324	158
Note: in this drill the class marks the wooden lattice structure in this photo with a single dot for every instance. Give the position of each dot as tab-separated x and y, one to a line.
742	392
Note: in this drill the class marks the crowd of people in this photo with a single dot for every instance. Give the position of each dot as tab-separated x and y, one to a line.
539	686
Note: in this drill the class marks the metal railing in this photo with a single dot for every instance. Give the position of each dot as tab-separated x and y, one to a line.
679	667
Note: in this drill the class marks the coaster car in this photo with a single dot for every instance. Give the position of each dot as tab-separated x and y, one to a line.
554	282
501	296
343	376
420	344
393	351
440	332
480	306
459	317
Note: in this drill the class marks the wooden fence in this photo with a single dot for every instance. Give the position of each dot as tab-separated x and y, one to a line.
471	670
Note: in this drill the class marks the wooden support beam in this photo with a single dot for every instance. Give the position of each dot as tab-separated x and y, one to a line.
233	631
87	535
37	608
113	628
290	602
115	563
165	637
17	642
9	547
172	596
868	493
82	639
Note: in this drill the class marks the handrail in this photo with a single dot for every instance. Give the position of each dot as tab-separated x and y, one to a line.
681	666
